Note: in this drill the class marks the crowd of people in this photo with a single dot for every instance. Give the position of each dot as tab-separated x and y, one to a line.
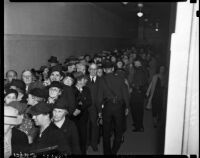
63	108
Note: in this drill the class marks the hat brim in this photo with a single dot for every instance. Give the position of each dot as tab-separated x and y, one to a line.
52	61
11	120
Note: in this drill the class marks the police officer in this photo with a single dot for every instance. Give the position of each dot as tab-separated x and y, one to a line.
113	93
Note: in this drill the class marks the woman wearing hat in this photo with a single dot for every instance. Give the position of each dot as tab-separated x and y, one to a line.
68	127
20	87
50	139
15	141
35	96
55	90
83	101
10	95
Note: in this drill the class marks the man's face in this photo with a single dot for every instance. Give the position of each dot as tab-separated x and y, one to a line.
108	70
54	92
81	68
27	77
87	58
93	70
119	64
113	59
31	100
125	60
11	75
45	72
38	119
59	114
10	98
99	72
83	82
55	76
52	64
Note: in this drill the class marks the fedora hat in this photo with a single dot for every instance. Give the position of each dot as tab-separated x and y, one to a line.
53	59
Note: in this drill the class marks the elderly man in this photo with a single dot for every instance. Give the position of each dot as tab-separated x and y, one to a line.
50	139
10	75
80	67
93	85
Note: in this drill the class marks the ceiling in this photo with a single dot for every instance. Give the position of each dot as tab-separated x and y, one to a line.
153	10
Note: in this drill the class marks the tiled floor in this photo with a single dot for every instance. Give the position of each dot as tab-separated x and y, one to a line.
149	142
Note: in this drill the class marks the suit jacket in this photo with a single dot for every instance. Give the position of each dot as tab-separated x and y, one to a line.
71	134
68	92
85	98
19	141
94	88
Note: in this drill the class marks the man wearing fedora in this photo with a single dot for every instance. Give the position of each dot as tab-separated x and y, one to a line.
50	139
68	127
53	61
15	141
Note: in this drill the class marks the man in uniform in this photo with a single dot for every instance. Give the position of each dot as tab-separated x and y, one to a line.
113	94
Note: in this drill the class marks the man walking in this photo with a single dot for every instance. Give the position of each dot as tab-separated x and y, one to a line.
113	93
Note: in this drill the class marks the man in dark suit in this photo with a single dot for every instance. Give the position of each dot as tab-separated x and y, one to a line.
92	84
113	93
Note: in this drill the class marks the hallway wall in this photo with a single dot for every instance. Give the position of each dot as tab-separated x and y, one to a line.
35	31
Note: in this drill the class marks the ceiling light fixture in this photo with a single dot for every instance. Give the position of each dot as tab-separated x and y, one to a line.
140	14
125	3
157	26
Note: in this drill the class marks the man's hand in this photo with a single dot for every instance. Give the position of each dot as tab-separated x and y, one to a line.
76	112
126	111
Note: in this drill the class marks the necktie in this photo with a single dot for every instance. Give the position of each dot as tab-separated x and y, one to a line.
92	79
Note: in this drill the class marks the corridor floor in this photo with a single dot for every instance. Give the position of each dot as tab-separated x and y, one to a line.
149	142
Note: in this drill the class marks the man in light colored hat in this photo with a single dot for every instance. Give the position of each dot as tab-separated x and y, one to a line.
15	141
